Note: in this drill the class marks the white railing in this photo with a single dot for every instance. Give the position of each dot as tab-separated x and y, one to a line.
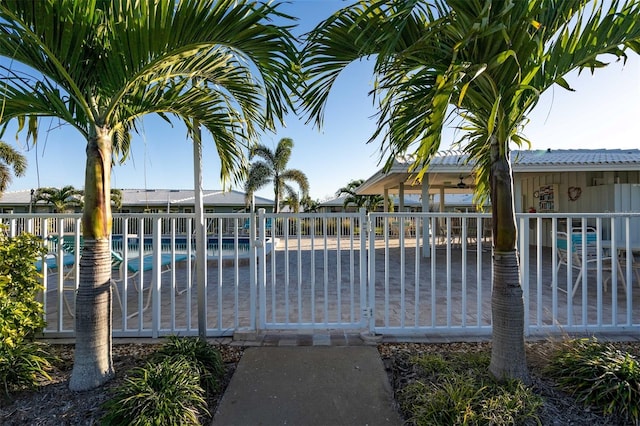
317	277
389	273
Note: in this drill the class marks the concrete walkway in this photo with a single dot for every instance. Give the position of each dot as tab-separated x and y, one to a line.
308	385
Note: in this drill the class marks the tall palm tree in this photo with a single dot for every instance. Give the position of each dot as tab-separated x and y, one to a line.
63	200
272	169
485	62
102	65
10	159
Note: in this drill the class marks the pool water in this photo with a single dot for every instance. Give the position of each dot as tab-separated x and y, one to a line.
229	247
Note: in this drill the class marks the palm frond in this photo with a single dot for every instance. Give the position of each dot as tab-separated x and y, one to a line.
107	64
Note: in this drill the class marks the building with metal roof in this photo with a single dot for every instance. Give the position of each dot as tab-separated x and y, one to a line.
577	178
149	200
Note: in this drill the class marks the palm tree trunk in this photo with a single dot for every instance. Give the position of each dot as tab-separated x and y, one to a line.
93	364
508	360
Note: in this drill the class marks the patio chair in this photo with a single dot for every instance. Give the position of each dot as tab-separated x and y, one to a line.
578	258
456	230
247	223
134	266
51	262
635	265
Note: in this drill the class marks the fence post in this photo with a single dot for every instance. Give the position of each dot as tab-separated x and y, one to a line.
364	226
156	280
371	283
524	269
261	259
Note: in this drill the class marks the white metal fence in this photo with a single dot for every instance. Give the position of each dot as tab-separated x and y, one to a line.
398	274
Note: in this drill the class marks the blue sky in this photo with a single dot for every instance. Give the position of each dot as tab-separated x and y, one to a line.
601	113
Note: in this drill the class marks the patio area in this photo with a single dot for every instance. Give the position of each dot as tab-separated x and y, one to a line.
318	284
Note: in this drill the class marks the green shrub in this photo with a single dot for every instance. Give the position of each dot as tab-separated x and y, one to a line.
599	374
203	356
21	315
166	393
437	364
22	364
22	361
445	402
458	390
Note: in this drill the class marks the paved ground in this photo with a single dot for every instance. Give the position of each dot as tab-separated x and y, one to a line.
309	385
322	288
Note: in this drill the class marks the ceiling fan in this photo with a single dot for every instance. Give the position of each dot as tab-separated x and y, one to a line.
461	184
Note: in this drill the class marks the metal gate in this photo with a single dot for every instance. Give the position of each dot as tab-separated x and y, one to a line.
317	278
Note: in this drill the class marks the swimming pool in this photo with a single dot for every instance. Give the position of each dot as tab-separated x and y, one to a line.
180	245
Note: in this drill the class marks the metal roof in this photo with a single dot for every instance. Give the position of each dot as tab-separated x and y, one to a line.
185	197
157	197
409	201
556	157
447	168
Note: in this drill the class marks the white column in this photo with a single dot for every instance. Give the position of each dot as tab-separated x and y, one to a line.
426	242
401	197
386	200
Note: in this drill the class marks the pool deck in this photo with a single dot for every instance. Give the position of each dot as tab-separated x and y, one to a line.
441	294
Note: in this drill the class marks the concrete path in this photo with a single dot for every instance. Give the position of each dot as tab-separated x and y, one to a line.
308	385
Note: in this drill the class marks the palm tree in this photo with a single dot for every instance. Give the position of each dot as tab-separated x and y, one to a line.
272	169
352	197
116	198
369	202
63	200
102	65
485	62
293	203
10	159
309	205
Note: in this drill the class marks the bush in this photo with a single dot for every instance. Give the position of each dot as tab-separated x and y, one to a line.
22	364
22	361
166	393
599	374
205	358
21	315
459	390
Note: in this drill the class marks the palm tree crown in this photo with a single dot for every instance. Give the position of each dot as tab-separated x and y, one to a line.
369	202
272	169
63	199
10	159
309	205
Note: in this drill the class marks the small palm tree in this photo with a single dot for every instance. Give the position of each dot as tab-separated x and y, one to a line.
352	197
309	205
10	159
116	198
369	202
63	200
293	203
272	169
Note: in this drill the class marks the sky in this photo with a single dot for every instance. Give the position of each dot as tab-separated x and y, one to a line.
601	113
